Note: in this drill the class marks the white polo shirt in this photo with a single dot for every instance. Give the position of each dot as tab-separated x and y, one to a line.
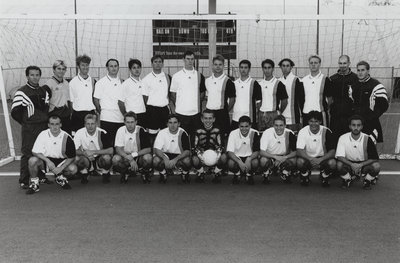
156	88
132	95
243	104
272	93
128	140
313	92
353	150
58	147
290	84
59	93
81	93
276	144
186	84
314	144
84	140
216	91
172	143
108	91
242	146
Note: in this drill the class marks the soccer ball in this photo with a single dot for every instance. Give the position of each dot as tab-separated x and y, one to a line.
210	157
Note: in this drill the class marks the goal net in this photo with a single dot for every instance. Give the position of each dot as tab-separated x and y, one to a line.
38	41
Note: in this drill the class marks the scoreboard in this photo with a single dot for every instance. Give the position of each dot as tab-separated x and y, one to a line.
171	38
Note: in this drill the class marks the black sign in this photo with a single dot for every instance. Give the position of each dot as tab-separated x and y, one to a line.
200	51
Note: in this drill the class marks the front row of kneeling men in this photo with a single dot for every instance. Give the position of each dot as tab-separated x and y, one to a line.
276	152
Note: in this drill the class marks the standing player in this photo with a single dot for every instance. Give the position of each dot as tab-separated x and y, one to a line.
315	150
172	150
357	155
30	108
221	95
242	150
59	101
317	91
53	151
278	151
133	150
208	137
106	95
81	89
295	91
274	96
342	108
248	96
92	149
187	90
370	101
156	95
132	93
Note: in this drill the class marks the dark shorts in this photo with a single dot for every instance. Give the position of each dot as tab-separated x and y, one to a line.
266	119
111	128
190	123
157	118
141	119
78	119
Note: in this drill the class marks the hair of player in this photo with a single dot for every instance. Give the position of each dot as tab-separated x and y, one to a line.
363	63
218	58
130	114
171	116
134	61
315	115
112	59
315	56
83	59
280	118
268	61
59	63
345	56
245	61
288	60
244	118
188	53
53	116
29	68
207	111
356	117
91	116
157	57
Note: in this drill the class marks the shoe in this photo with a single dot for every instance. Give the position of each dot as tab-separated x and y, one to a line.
324	180
63	182
346	183
216	179
250	179
146	177
266	175
305	179
163	178
236	179
33	188
123	179
66	186
84	179
375	181
367	185
285	176
45	180
185	177
24	186
200	178
106	178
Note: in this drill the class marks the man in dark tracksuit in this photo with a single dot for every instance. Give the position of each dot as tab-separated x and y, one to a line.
343	83
30	108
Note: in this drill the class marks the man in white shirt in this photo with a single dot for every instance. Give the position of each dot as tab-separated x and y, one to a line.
278	151
81	89
53	151
131	97
156	95
92	149
187	91
221	95
315	150
295	91
242	150
106	95
317	91
172	150
248	96
133	150
357	155
274	96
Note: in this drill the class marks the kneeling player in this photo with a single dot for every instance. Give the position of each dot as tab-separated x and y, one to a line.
315	150
172	150
357	155
278	151
133	150
208	138
92	149
242	149
53	151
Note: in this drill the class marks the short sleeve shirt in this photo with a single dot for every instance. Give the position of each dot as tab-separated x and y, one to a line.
172	143
95	141
316	89
243	146
132	142
316	145
218	91
59	93
358	150
58	147
156	88
276	144
81	93
132	95
273	91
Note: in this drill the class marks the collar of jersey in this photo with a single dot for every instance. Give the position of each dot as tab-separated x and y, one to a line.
112	79
317	76
134	80
244	81
271	80
219	78
189	71
82	79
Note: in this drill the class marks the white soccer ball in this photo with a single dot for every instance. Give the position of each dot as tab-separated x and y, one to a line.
210	157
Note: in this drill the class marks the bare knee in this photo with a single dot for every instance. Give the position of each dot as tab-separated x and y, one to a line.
33	161
70	169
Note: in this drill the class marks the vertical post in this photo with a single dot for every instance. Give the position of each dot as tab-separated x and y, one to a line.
317	48
212	31
342	44
392	85
284	30
76	35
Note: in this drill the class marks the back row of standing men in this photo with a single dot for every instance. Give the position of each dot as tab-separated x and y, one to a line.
157	94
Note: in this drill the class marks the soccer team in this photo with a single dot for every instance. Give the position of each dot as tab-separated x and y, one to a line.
285	126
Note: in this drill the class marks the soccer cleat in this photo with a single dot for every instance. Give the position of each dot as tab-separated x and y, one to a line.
249	179
24	186
123	179
285	176
346	183
66	186
200	177
45	180
63	182
185	177
106	178
163	178
146	177
305	179
367	184
324	179
84	179
33	188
